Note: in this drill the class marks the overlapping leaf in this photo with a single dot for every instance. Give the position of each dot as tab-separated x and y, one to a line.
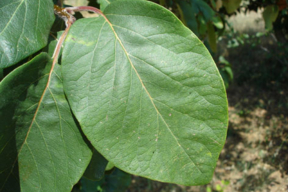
190	10
146	92
24	28
96	168
105	3
42	148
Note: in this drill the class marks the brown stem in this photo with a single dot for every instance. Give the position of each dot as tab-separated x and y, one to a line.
55	59
84	8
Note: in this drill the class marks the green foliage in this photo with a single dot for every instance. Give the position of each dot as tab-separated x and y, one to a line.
144	89
138	94
231	5
96	167
225	71
42	146
270	14
118	181
22	31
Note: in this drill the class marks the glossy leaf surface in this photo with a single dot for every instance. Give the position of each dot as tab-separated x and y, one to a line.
146	92
42	148
24	28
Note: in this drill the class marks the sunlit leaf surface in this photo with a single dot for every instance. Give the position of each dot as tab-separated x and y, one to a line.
146	92
24	28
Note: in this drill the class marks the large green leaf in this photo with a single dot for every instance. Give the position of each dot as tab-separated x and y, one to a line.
42	148
146	92
24	28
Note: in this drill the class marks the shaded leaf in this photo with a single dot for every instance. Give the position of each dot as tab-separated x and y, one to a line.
42	148
192	8
231	5
217	22
1	74
189	13
118	181
96	167
24	28
109	166
212	39
270	14
202	26
146	92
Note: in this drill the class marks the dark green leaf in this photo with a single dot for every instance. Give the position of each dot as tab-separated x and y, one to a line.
190	13
270	14
96	167
1	74
146	92
212	39
109	166
192	8
24	28
231	5
118	181
42	149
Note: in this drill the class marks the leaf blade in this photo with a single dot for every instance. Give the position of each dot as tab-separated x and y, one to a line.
146	87
24	28
41	136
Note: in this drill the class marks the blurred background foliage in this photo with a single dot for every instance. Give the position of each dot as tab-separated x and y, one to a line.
248	40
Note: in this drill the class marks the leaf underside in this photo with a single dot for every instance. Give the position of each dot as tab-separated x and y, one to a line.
146	92
41	147
24	28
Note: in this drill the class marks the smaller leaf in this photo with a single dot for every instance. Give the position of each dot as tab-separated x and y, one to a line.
217	22
41	145
202	25
182	18
189	14
1	74
109	166
231	5
24	28
96	168
270	14
213	3
118	181
103	4
219	4
212	37
52	45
